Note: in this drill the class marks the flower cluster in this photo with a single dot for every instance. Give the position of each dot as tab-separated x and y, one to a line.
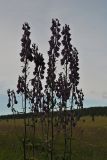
67	46
36	83
26	56
39	62
20	85
11	99
80	98
54	40
74	75
26	52
62	88
53	53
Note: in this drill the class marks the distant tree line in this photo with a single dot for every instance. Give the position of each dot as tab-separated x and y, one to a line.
92	111
96	111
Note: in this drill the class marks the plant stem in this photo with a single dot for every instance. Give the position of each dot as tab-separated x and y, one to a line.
71	124
25	110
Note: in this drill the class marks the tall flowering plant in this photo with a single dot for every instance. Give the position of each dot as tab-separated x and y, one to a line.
22	86
35	94
53	54
77	94
70	63
66	62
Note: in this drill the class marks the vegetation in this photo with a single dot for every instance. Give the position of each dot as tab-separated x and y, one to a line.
88	141
50	130
96	111
54	97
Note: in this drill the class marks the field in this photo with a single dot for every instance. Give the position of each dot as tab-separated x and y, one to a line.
89	141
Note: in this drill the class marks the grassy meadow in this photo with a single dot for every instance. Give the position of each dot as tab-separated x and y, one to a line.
89	141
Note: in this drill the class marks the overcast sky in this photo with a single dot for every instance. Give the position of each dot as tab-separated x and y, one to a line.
88	23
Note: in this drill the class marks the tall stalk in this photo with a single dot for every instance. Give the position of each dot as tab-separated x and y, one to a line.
66	62
50	80
46	103
36	81
22	87
74	80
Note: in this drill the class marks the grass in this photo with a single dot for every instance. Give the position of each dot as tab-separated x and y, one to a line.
89	141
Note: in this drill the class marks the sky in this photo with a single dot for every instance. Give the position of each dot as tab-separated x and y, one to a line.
88	23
